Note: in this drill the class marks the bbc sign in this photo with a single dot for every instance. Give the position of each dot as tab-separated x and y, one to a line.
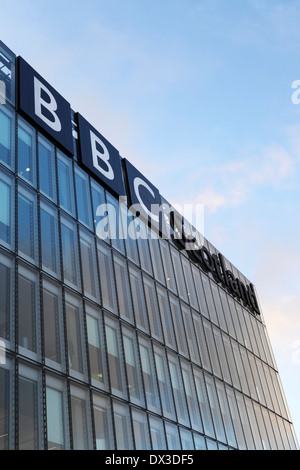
40	103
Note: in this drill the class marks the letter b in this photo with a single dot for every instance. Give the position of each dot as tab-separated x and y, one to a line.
50	106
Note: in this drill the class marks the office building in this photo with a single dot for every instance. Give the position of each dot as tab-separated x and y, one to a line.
124	341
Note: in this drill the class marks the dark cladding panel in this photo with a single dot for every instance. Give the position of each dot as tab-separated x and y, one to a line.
43	105
100	157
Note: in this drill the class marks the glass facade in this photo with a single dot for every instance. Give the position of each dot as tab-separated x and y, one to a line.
115	342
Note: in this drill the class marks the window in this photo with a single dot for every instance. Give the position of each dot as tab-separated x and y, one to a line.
69	241
7	398
83	197
200	291
173	437
116	364
107	280
30	409
179	275
138	299
28	308
100	211
166	319
123	288
27	224
149	375
47	173
191	292
203	403
143	245
26	152
123	427
190	332
141	430
179	326
57	414
199	330
186	439
178	391
96	347
129	234
228	425
6	299
7	136
168	267
157	434
89	266
49	239
214	406
103	422
164	383
53	325
81	419
65	183
156	258
115	223
134	379
6	210
75	340
152	307
191	396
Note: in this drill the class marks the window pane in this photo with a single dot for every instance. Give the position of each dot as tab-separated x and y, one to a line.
133	369
179	327
70	256
168	267
83	197
81	419
138	299
53	324
191	292
152	307
173	437
214	406
29	414
149	376
115	223
49	239
123	427
27	224
141	431
6	406
186	439
76	353
129	234
7	136
179	274
103	423
164	383
96	347
178	391
6	296
28	307
115	359
123	288
6	209
204	403
47	172
157	434
89	266
107	281
156	258
65	183
26	152
57	424
166	319
200	291
190	332
99	211
143	245
191	396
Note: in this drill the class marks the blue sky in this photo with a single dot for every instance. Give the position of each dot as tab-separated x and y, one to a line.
197	95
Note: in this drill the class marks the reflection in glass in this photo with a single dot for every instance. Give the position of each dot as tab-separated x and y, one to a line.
27	224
